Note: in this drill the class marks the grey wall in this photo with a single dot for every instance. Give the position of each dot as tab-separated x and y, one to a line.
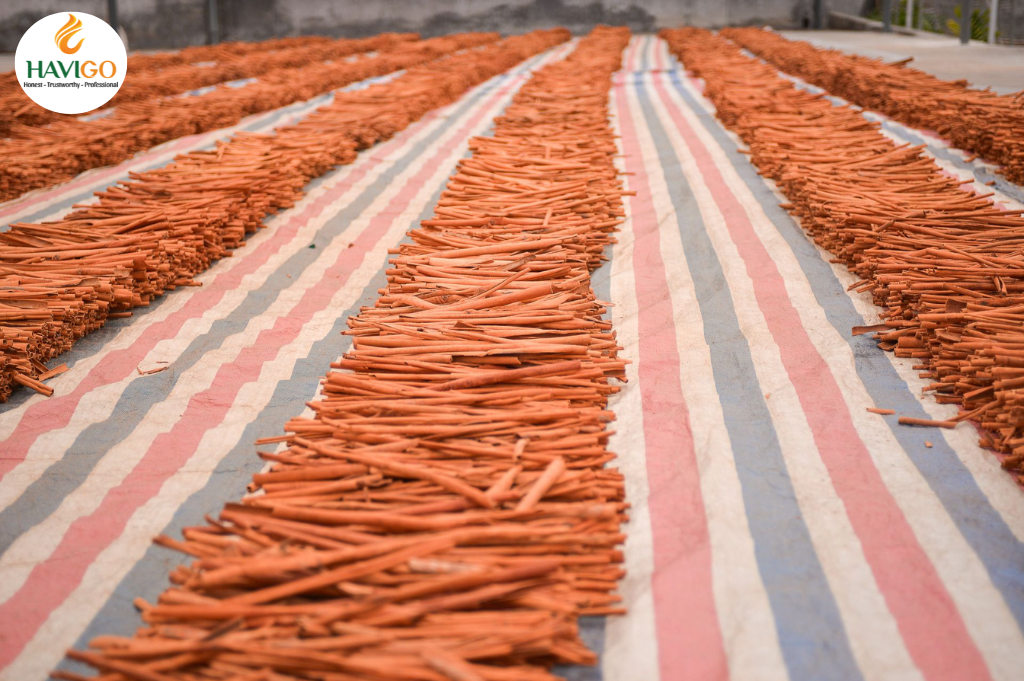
177	23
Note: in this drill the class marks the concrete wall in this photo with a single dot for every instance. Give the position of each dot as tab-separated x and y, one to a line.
177	23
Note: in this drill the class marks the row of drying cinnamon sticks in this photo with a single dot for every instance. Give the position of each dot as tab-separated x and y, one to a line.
17	110
35	157
196	54
63	279
218	52
944	263
446	514
981	122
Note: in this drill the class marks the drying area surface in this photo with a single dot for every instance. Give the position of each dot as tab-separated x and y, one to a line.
999	67
777	526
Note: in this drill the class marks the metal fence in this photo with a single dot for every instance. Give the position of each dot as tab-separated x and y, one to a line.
948	17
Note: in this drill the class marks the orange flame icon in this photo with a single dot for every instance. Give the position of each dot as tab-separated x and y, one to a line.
65	34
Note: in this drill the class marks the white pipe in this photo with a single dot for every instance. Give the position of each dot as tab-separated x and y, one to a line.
993	17
910	14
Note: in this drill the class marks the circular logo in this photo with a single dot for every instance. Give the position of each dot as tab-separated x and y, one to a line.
70	62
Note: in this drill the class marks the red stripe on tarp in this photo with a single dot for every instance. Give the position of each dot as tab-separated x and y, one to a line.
690	642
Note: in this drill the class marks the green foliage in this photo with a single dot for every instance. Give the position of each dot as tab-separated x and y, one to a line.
928	21
922	19
979	23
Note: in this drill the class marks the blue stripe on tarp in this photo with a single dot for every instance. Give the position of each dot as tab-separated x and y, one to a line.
811	633
592	629
592	633
954	485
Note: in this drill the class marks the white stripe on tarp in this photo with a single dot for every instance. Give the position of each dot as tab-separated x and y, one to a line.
631	641
1001	489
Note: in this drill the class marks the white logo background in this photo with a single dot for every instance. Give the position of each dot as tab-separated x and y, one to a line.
99	43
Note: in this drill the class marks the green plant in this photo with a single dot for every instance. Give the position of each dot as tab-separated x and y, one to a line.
979	23
922	19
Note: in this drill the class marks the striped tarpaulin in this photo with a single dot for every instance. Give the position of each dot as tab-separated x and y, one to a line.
778	529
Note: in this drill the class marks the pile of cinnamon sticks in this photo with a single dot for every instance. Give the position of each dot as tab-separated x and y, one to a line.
186	77
162	74
447	514
218	52
979	121
944	263
61	280
35	157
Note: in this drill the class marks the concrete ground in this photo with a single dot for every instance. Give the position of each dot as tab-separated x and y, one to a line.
983	65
